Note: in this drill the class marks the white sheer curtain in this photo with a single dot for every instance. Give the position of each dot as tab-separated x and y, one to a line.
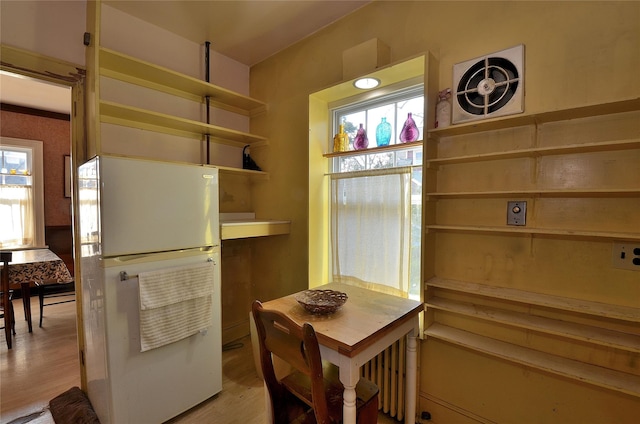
17	218
370	229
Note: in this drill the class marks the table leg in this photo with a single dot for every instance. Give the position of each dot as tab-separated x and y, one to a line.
26	303
412	371
349	378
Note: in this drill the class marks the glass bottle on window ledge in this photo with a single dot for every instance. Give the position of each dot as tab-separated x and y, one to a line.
341	140
383	133
361	141
409	130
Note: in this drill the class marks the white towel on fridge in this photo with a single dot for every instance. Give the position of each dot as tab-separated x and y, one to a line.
175	303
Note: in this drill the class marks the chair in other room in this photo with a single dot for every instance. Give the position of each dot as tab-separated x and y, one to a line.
312	393
6	296
11	322
53	289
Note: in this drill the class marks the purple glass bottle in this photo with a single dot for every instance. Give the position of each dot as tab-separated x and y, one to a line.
409	130
361	141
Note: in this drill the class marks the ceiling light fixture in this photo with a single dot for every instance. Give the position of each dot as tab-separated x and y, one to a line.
366	83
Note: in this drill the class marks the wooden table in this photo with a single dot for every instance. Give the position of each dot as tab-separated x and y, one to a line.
29	266
367	324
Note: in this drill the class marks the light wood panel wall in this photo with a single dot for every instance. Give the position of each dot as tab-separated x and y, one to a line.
540	307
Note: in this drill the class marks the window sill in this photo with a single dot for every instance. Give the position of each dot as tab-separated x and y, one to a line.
371	150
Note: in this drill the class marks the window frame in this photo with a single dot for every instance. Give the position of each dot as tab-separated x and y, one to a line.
37	175
404	91
419	69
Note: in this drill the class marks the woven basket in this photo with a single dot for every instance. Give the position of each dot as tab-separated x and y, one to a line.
321	301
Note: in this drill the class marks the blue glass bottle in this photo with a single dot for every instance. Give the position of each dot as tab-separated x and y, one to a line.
383	133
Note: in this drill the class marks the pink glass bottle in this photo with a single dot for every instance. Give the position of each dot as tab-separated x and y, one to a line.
409	130
361	141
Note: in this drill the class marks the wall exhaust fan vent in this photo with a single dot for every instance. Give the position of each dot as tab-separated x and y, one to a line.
489	86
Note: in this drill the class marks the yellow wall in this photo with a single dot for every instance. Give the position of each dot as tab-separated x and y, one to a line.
577	54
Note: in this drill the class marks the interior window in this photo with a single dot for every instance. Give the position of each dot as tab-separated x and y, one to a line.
21	194
376	196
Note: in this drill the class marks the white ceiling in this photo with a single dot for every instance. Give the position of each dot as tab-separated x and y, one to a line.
248	31
24	91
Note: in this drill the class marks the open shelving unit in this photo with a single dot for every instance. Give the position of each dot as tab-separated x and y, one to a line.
134	117
615	192
434	163
515	324
593	374
598	376
541	151
539	231
129	69
512	121
132	70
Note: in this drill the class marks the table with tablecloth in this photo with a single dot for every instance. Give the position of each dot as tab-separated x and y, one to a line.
35	265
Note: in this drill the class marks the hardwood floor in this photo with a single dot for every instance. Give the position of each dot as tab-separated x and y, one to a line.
44	364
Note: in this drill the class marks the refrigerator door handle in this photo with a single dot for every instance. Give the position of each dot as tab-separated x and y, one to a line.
124	276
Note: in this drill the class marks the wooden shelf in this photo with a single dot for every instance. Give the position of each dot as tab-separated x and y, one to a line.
247	172
623	313
535	119
230	230
512	324
635	192
135	71
591	374
585	333
540	151
240	225
129	69
372	150
540	231
134	117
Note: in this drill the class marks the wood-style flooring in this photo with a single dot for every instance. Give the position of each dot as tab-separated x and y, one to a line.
45	363
41	364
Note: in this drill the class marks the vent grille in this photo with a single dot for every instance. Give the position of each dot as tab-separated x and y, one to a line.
489	86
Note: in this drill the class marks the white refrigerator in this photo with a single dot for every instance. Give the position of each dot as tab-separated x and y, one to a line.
150	278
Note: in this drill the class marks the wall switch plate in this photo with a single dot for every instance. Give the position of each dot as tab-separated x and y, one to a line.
517	213
626	256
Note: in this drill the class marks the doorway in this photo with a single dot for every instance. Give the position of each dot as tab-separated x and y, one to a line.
63	148
40	112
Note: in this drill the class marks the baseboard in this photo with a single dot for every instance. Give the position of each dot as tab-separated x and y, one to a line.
235	331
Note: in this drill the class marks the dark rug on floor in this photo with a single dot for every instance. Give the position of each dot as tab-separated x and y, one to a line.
73	407
27	418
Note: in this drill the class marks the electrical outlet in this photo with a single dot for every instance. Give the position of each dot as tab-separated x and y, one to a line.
517	213
626	256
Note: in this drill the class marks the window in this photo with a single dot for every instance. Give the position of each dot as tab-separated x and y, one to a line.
21	194
376	196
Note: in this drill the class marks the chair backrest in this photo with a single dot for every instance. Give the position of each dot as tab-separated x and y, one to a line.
279	335
5	258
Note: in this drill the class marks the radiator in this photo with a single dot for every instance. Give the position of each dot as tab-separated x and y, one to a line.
388	372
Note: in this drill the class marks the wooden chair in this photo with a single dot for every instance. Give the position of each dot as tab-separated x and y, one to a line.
54	289
6	307
9	324
312	393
